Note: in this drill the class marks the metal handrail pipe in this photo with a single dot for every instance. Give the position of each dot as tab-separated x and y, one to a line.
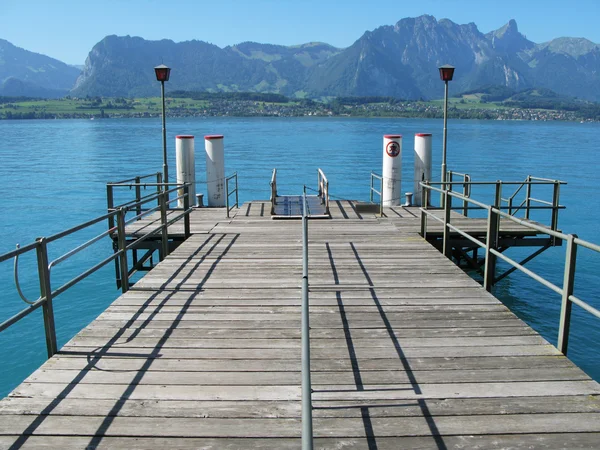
85	274
154	231
466	235
376	191
18	251
374	175
544	202
307	426
144	184
135	202
456	195
79	248
141	177
587	244
547	180
433	216
460	174
493	183
544	230
145	213
21	314
585	306
525	270
80	227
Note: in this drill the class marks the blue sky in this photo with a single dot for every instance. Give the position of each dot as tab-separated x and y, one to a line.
68	29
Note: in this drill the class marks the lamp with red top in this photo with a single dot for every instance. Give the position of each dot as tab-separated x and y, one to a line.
446	74
162	74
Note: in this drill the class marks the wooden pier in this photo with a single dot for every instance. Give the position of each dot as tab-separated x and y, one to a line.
204	350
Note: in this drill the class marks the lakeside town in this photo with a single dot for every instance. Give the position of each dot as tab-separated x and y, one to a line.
222	106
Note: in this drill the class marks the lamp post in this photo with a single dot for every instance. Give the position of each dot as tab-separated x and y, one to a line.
162	74
446	74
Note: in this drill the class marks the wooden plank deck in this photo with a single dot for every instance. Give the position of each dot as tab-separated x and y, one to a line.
204	351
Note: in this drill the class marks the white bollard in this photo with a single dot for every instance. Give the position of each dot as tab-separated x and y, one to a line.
422	164
215	170
186	168
392	170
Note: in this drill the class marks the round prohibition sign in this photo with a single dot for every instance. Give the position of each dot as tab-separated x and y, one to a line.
392	149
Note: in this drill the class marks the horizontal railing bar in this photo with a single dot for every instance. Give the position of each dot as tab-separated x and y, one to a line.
587	244
23	313
80	227
543	202
493	183
134	202
85	274
18	251
547	180
141	177
466	235
142	215
430	214
525	270
585	306
81	247
534	226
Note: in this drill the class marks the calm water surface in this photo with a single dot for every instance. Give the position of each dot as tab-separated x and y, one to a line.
54	174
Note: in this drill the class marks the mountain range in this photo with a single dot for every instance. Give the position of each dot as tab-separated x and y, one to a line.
399	60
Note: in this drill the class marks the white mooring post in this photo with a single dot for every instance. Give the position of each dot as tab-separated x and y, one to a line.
215	170
422	164
392	170
186	168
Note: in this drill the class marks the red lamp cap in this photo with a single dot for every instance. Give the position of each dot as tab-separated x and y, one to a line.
213	136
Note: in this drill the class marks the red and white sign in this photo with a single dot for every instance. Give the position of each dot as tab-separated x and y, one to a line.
392	149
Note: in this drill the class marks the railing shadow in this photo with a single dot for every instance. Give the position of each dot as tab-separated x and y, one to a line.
150	357
367	423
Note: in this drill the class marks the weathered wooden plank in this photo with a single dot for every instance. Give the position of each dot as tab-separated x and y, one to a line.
267	378
323	427
114	362
319	353
519	441
257	409
335	392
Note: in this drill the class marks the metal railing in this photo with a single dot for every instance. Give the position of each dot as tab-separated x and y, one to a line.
491	253
273	184
372	191
527	206
44	268
323	189
307	425
466	191
229	193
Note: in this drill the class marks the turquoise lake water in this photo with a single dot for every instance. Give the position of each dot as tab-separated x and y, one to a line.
54	174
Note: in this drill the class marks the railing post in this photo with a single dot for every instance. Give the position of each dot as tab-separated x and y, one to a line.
424	205
138	196
491	243
186	207
110	203
446	247
371	190
227	196
237	204
466	179
122	244
528	197
46	292
381	198
555	204
163	219
567	291
159	186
